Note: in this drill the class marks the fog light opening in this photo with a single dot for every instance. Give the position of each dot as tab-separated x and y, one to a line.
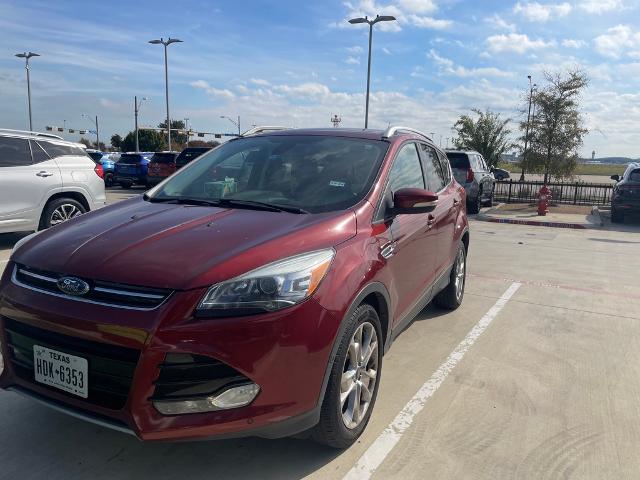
233	397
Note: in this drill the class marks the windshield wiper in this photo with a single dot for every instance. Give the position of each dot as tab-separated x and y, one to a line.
228	202
235	202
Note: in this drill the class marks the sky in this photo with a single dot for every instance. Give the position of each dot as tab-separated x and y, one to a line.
295	63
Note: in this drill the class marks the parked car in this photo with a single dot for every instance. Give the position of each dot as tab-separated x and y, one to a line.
626	193
107	160
44	181
252	293
189	154
162	165
472	172
500	173
131	169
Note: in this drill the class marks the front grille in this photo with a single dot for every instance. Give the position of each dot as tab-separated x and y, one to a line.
186	376
111	367
104	293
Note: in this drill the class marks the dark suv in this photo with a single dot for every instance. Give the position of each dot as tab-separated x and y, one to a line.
626	194
189	154
472	172
252	293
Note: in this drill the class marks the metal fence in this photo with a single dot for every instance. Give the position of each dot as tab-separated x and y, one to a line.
510	191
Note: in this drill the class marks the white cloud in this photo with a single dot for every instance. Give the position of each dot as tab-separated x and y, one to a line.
617	41
448	67
386	50
352	61
499	23
418	6
571	43
213	91
601	6
515	42
537	12
259	81
429	22
355	49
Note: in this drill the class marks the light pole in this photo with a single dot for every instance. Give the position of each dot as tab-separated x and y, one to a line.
371	23
136	111
166	43
26	57
186	129
526	135
237	124
95	122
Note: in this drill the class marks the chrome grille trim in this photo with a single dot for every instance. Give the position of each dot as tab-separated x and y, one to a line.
123	293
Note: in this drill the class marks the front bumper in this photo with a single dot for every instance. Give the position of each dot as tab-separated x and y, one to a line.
286	353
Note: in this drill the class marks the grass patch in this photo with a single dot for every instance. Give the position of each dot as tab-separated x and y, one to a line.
582	169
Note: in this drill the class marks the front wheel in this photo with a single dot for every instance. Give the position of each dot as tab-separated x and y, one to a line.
451	297
60	210
353	382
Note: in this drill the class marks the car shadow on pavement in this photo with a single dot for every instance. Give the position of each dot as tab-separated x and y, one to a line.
42	442
427	313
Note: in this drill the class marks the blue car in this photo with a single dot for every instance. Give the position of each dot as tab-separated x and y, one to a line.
131	169
107	160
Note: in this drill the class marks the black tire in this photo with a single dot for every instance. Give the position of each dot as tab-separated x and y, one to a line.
108	180
126	185
616	217
53	212
450	298
473	206
489	202
332	430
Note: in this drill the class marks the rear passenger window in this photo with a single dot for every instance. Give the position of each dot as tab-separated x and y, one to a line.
446	171
432	171
38	154
60	149
406	171
458	160
14	152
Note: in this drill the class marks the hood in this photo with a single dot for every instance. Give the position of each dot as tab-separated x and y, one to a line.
178	246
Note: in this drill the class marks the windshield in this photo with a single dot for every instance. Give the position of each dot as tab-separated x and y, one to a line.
313	173
458	160
129	158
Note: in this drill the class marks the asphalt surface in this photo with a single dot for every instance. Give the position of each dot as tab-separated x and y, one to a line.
536	376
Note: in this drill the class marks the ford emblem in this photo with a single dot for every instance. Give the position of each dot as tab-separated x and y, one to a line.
73	286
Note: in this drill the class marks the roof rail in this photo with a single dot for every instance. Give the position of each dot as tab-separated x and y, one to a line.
391	131
29	132
262	129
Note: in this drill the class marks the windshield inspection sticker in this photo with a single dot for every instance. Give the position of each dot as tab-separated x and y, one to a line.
333	183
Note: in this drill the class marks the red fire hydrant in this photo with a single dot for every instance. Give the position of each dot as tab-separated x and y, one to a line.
544	199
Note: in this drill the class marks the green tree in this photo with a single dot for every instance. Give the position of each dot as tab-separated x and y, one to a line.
150	141
488	135
556	131
116	141
178	137
87	143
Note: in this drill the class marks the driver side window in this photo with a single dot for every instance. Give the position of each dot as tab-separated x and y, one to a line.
406	171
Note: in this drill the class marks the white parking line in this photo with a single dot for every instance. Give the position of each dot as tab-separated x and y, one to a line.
380	448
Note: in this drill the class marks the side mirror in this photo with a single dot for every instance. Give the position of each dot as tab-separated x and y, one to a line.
615	177
414	200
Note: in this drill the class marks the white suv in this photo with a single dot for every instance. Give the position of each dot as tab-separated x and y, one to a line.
45	180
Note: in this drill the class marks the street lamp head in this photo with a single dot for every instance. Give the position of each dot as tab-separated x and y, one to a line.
384	18
156	42
27	55
173	40
353	21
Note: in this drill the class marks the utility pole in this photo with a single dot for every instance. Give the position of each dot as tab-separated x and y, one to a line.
371	23
26	57
526	135
186	129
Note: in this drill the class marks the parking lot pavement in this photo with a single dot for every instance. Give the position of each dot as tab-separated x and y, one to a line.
550	389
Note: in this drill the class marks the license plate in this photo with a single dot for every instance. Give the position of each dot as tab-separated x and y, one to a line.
61	370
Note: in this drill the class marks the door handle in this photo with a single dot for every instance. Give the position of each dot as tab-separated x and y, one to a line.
44	174
430	220
456	202
388	249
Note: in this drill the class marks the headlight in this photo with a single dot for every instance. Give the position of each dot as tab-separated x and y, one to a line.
272	287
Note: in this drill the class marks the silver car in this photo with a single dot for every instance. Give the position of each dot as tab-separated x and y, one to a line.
45	180
472	172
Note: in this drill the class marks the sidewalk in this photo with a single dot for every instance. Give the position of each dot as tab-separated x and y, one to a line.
559	216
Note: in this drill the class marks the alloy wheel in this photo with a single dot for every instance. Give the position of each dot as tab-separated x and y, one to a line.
460	274
64	212
358	383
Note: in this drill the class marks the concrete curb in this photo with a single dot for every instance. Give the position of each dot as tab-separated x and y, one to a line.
513	221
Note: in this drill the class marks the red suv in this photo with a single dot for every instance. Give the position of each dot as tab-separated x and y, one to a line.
253	293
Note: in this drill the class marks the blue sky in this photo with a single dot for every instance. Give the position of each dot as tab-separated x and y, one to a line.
295	63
